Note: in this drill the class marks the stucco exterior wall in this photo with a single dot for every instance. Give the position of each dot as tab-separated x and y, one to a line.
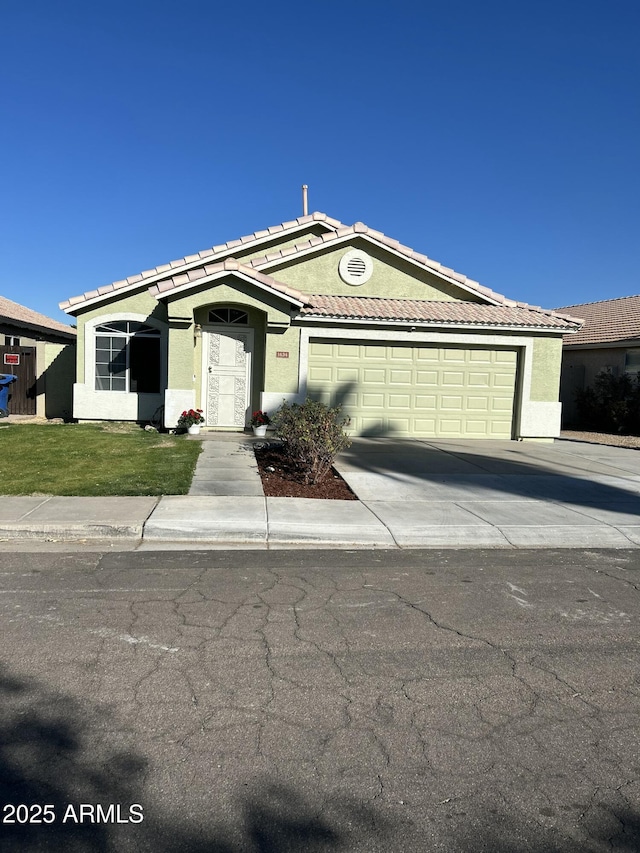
545	376
391	277
57	378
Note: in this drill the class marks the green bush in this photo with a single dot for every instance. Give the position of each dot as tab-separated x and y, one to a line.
611	404
313	436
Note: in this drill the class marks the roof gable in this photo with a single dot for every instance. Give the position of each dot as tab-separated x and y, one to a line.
178	284
283	232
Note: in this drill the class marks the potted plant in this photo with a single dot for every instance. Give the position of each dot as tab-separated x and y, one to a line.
260	421
190	420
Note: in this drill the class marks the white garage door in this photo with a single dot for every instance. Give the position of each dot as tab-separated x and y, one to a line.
428	391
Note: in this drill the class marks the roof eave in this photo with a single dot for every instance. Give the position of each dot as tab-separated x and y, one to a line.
190	285
265	236
428	324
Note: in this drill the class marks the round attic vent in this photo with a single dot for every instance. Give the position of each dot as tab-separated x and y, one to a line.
355	267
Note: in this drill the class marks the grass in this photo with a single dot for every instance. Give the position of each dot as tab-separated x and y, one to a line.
94	460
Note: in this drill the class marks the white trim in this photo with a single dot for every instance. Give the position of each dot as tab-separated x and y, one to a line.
208	259
427	324
207	279
530	418
90	346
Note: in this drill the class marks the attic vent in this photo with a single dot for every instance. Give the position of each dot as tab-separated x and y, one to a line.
355	267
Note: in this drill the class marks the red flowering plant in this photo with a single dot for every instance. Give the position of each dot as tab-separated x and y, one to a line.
260	418
190	417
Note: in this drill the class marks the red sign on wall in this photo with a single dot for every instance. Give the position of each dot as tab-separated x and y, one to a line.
12	358
281	354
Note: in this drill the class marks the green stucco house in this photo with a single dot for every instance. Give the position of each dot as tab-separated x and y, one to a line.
312	307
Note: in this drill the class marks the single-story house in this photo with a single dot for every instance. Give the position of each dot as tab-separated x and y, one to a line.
312	307
41	353
608	342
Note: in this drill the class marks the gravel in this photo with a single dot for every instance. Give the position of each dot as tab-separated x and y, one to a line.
601	438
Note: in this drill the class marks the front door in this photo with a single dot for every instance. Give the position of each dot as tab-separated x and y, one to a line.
227	376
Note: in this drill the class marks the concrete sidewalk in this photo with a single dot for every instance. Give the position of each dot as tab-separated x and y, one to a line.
412	493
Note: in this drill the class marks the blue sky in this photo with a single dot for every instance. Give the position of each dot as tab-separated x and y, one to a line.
499	138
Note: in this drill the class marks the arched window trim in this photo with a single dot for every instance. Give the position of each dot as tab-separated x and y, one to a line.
137	326
228	315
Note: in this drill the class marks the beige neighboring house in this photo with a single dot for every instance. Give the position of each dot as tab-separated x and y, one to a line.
41	353
609	342
313	307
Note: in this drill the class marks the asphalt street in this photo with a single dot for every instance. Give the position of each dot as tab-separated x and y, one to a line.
269	701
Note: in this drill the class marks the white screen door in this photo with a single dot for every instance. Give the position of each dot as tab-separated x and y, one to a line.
227	376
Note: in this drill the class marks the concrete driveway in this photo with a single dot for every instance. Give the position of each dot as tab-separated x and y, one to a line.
498	493
411	493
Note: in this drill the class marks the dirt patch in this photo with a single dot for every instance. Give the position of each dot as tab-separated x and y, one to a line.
601	438
282	480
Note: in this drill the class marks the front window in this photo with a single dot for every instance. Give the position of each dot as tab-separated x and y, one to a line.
228	315
127	357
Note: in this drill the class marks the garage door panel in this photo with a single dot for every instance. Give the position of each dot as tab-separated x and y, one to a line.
425	401
347	374
400	377
319	374
482	380
406	390
402	353
427	377
449	379
371	377
373	401
448	402
478	404
399	401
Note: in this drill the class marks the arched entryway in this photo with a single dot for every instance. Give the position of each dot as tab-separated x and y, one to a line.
227	352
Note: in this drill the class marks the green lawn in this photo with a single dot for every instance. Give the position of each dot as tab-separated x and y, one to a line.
94	459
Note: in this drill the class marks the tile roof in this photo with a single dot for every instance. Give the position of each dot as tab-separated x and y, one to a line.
607	321
197	259
362	230
15	313
170	285
433	312
343	233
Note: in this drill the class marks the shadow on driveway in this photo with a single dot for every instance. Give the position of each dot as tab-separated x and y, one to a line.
403	469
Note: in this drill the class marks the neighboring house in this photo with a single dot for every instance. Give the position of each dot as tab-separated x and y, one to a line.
41	353
314	307
609	341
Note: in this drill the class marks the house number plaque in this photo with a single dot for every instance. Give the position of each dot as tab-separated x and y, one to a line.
281	354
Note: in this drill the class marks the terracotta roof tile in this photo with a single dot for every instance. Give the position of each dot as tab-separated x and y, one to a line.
14	312
605	322
215	250
165	286
432	312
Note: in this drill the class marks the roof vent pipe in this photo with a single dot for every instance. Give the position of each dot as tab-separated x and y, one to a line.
305	203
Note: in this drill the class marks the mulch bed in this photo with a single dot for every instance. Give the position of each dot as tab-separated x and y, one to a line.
287	481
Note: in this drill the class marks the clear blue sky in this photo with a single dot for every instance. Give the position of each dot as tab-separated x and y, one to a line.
499	138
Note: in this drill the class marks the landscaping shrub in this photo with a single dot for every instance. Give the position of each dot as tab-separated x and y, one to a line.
611	404
313	435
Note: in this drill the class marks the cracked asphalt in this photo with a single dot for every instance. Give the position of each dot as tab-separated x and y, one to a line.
319	701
